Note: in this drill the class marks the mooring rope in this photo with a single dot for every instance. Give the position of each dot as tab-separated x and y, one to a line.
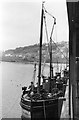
44	110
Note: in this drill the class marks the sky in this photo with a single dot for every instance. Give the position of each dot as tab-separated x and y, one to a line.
20	22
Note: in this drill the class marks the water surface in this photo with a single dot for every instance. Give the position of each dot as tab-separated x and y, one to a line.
12	77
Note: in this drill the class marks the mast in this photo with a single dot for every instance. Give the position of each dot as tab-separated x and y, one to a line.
51	67
40	49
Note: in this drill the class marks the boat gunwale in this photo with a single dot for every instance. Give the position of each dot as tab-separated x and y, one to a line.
43	100
24	106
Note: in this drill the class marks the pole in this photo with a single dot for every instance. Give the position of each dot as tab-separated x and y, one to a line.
51	68
40	50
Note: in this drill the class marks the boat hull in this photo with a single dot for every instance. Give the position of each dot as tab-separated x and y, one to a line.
41	109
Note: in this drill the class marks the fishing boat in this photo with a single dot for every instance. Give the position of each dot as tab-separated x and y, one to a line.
43	101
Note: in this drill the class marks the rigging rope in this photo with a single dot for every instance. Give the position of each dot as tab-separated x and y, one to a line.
47	37
52	32
60	50
47	43
50	38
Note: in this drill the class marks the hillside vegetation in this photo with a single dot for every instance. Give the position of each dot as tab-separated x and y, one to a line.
31	53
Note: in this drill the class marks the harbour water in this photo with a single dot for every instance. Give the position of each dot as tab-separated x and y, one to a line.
12	77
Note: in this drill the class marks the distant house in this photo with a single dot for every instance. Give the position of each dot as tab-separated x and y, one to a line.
8	55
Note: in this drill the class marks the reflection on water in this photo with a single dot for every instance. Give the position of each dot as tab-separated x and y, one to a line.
14	76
